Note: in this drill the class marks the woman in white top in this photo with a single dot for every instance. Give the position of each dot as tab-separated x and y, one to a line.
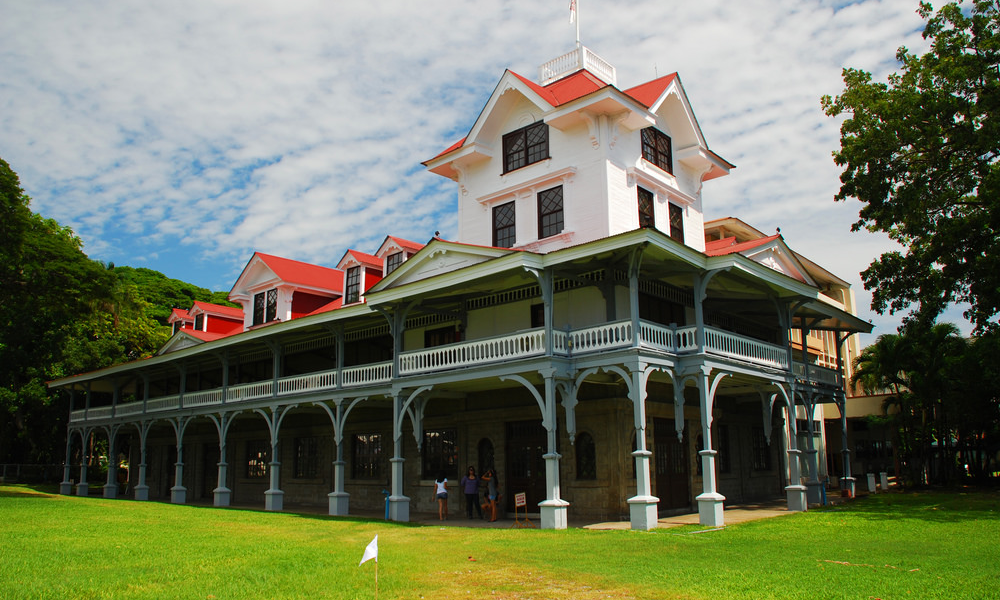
441	494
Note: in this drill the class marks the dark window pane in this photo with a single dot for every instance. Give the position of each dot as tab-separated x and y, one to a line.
353	291
440	453
645	208
366	461
586	457
393	261
503	225
258	455
525	146
676	222
550	212
258	308
656	148
272	305
306	458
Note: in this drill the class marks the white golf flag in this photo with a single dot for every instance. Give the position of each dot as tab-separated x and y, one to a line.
370	552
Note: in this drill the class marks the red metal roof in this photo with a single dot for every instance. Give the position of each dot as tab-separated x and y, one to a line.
365	259
218	309
406	244
729	245
649	92
293	271
578	85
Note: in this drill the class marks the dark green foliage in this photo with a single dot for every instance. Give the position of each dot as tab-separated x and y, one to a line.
62	313
922	153
943	401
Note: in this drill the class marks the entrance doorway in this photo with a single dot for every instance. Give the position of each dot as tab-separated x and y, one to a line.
672	467
525	446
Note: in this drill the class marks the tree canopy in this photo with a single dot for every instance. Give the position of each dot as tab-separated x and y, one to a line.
62	313
922	153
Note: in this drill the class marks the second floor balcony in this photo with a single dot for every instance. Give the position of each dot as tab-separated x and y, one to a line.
466	355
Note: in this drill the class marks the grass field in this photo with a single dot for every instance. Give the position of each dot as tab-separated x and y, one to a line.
912	545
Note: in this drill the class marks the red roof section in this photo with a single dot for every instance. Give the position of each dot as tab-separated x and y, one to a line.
179	314
205	336
729	245
293	271
650	92
334	305
580	84
406	244
218	309
367	260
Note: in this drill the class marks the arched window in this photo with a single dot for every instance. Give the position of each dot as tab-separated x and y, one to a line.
586	457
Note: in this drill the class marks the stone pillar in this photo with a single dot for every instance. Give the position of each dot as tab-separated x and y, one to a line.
178	493
274	498
222	495
82	487
795	491
340	501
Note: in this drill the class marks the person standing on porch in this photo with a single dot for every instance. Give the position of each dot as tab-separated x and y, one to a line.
441	495
470	485
490	477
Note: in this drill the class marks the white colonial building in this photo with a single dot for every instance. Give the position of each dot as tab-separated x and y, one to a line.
588	335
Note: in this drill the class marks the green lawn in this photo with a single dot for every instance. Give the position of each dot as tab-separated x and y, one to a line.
914	545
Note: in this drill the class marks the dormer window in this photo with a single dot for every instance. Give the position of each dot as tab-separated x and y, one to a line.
265	306
353	291
393	261
525	146
656	149
199	323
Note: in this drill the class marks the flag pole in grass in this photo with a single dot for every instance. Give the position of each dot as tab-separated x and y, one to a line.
371	551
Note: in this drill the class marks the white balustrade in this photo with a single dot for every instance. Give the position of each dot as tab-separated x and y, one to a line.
602	337
77	415
657	336
163	403
306	383
367	374
130	408
735	346
249	391
477	352
203	398
687	339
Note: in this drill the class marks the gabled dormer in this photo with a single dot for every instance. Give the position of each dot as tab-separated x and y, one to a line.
361	271
394	252
272	289
574	158
180	319
216	318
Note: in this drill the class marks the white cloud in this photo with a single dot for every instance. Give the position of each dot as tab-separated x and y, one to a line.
297	128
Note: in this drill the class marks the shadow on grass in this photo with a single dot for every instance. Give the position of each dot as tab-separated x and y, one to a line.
936	506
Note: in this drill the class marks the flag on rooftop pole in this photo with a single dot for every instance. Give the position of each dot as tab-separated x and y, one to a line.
371	551
572	11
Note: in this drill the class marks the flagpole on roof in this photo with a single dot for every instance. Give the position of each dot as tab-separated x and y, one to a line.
574	17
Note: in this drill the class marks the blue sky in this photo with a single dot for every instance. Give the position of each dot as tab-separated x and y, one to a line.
183	136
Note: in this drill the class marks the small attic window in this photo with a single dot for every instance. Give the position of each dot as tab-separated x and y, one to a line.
393	261
353	285
656	149
525	146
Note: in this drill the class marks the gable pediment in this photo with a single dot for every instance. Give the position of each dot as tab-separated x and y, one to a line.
179	341
438	258
255	276
778	257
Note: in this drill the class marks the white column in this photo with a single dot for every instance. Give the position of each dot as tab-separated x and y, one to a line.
399	504
66	486
111	484
643	506
710	501
795	492
553	510
142	490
